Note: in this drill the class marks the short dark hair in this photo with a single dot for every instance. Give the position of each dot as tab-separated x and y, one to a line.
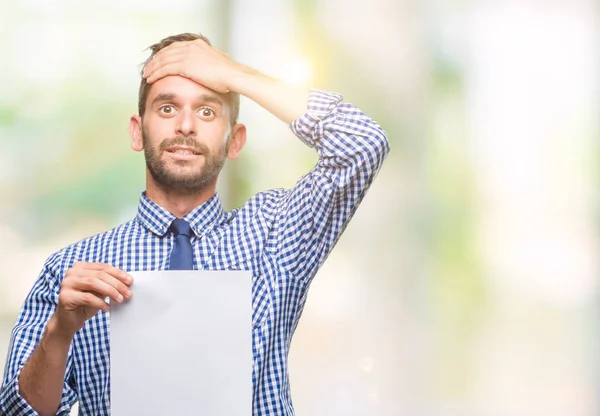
233	99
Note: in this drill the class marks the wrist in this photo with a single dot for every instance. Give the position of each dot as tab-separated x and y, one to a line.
241	80
56	331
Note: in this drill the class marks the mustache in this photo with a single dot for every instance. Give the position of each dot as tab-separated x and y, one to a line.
186	141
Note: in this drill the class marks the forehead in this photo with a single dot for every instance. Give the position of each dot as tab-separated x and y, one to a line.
183	88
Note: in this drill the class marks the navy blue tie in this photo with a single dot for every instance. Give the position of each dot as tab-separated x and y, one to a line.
182	256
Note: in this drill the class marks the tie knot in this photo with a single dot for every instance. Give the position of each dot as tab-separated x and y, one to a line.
179	227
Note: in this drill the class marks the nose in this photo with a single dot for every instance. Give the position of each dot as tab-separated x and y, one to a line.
186	123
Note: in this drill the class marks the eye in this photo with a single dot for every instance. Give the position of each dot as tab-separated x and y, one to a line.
167	109
206	112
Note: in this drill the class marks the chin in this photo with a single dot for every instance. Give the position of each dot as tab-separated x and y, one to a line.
184	168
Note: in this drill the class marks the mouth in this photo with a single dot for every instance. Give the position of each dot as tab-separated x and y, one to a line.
182	153
182	150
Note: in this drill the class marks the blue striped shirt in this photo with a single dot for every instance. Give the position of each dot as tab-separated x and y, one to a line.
281	236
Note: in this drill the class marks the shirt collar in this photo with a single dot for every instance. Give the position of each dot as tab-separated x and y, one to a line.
158	220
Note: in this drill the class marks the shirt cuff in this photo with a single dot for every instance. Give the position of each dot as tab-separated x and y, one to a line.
11	402
322	109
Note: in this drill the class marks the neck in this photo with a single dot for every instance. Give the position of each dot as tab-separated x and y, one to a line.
176	201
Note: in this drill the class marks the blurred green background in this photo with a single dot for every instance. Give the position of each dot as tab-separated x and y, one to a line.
467	283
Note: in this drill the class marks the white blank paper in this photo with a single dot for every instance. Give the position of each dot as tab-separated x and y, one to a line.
183	345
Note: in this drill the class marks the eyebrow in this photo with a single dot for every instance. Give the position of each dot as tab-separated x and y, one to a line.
207	98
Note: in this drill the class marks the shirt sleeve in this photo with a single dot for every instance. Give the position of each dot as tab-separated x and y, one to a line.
39	306
313	215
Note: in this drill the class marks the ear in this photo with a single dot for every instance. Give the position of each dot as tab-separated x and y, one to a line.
135	132
237	141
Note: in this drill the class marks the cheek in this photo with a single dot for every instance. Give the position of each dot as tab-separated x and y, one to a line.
159	125
226	137
214	137
155	132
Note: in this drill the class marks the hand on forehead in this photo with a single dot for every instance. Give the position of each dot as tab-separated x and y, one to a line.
195	60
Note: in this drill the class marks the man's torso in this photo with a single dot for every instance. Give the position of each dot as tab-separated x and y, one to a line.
244	239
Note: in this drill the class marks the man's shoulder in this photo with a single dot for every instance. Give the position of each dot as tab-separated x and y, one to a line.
264	201
105	236
270	196
90	248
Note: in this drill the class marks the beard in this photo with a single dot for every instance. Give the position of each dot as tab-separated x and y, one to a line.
187	175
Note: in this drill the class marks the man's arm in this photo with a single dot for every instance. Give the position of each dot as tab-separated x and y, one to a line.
287	102
28	340
351	148
38	368
315	212
41	381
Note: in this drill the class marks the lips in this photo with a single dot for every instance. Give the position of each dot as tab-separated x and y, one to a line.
182	150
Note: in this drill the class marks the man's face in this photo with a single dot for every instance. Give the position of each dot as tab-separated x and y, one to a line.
185	131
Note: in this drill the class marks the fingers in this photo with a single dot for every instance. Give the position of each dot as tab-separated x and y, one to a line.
83	292
102	284
177	48
93	300
174	68
73	288
102	279
160	61
122	289
71	299
184	46
175	52
123	276
195	60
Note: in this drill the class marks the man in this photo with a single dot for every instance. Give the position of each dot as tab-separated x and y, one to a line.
187	126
